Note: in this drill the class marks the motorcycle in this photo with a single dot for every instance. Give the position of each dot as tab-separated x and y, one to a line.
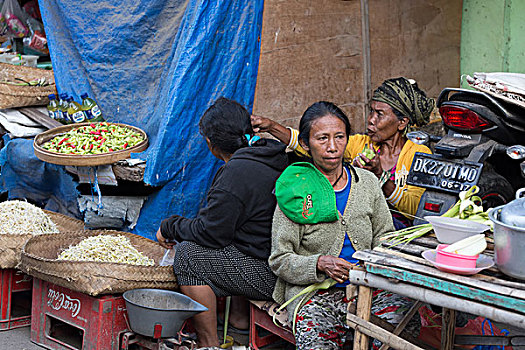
481	127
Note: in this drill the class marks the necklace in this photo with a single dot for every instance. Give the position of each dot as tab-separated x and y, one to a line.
339	178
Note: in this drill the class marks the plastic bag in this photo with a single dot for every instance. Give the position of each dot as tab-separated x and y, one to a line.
15	18
32	9
3	24
430	333
37	39
168	258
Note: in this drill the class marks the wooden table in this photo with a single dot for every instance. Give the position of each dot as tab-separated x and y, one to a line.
402	270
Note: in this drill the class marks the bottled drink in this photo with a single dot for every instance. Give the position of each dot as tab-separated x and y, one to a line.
91	109
62	107
74	111
52	107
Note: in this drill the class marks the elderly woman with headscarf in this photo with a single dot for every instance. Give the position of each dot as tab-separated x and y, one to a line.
396	105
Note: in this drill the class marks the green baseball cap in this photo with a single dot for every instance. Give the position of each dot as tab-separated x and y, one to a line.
305	195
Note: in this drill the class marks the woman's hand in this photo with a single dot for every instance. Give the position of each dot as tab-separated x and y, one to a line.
261	124
373	165
163	242
334	267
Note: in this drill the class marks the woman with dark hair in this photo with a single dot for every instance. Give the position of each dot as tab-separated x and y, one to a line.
224	250
326	211
396	105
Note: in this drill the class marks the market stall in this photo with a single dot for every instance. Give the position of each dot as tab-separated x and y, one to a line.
490	284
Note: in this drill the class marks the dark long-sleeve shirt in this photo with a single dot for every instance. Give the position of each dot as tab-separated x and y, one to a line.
240	204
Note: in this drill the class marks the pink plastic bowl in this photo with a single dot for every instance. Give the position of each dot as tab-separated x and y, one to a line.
453	259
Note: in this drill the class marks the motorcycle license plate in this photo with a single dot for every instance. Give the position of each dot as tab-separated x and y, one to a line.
447	175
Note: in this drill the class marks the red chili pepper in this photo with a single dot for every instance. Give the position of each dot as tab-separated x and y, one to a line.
103	130
91	146
83	147
70	145
103	140
111	149
95	132
64	139
93	125
125	145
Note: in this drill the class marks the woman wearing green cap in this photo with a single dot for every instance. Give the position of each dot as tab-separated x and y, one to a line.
326	211
396	105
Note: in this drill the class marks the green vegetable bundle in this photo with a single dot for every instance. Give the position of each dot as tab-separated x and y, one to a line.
95	138
469	207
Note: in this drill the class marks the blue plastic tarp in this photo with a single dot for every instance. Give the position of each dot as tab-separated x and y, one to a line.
51	188
158	65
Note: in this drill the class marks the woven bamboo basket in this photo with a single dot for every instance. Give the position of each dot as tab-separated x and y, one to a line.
23	95
65	223
11	245
39	259
88	159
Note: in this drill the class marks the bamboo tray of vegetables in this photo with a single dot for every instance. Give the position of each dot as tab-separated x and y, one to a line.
89	144
19	221
97	262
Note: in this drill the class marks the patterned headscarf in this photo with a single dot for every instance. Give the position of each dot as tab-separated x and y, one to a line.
406	98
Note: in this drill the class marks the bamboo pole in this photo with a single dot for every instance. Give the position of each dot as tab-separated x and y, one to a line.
401	326
438	298
390	328
378	333
448	329
386	258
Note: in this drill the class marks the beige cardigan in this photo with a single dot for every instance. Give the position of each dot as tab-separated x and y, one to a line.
297	247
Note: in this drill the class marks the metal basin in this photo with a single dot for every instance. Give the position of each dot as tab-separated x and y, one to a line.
509	246
159	313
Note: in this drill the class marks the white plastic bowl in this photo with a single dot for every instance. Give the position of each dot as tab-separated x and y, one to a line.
451	230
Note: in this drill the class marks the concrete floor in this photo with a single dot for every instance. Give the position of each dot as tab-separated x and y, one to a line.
17	339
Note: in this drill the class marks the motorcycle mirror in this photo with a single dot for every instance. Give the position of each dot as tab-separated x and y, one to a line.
516	152
418	137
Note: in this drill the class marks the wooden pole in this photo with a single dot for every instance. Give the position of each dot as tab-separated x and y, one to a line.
367	71
438	298
448	329
401	326
364	304
390	328
378	333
